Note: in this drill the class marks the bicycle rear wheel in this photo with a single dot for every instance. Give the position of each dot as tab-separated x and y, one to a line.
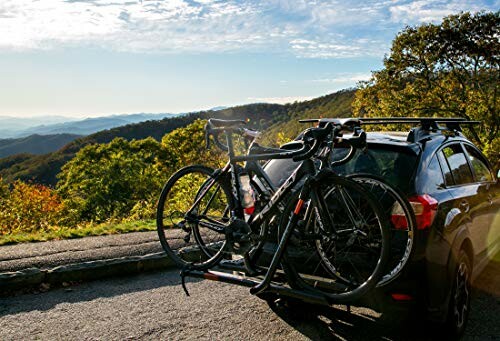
393	201
193	211
343	261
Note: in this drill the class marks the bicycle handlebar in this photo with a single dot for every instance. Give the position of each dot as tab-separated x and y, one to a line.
318	135
215	127
314	135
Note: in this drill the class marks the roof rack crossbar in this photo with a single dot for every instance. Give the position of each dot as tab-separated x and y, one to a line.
427	123
412	119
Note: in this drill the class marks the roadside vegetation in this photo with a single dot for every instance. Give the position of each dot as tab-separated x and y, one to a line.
106	188
109	182
447	69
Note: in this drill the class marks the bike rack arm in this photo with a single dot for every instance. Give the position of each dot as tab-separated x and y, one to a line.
250	283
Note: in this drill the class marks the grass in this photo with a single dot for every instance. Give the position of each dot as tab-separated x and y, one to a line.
79	232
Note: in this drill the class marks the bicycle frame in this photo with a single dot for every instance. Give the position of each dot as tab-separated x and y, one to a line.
306	170
308	176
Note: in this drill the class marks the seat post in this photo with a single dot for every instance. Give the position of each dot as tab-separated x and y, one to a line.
238	212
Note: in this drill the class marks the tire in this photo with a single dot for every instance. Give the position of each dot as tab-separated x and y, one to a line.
402	239
345	269
197	241
459	307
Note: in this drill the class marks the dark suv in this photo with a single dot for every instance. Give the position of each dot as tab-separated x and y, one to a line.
455	199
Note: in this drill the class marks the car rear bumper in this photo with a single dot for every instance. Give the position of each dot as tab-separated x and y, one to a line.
411	293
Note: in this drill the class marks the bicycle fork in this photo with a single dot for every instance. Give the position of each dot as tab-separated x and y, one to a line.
292	223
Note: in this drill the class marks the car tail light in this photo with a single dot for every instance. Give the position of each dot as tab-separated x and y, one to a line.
401	297
424	207
398	217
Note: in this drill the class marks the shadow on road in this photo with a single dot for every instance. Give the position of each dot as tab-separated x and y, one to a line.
74	293
324	323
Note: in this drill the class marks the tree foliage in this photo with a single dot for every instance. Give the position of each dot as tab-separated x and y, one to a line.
446	69
107	180
187	146
28	207
122	179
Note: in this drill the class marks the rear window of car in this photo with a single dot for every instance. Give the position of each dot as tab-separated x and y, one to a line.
433	178
395	166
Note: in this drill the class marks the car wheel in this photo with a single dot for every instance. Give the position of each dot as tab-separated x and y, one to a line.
291	309
459	307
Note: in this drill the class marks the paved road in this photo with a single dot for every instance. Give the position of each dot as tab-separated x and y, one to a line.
53	253
153	306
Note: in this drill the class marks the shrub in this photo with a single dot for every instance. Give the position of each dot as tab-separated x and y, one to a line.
28	208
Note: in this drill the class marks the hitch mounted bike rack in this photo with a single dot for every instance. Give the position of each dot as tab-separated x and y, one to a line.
250	283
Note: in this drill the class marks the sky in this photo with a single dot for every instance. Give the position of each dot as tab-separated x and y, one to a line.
85	58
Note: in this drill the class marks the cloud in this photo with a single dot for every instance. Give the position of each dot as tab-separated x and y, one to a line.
304	28
332	47
344	79
431	10
280	100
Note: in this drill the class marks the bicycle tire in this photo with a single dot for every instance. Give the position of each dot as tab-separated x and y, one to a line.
402	239
203	232
313	269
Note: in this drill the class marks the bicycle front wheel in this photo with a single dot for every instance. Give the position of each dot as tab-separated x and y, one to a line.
343	261
193	211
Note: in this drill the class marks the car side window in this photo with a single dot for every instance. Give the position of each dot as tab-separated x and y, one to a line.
446	169
481	170
458	164
433	178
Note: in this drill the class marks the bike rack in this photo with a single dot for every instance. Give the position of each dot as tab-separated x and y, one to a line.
280	290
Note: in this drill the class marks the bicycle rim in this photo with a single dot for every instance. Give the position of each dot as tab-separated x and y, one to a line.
401	238
345	264
193	210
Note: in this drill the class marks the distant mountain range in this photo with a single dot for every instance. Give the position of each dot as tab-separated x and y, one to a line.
35	144
272	118
10	127
13	127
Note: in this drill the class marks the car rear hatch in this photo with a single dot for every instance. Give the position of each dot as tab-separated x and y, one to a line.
386	160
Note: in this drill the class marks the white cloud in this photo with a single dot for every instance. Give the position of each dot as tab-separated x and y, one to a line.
344	79
305	28
432	10
333	47
280	100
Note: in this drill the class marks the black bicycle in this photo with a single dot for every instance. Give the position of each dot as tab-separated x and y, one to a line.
236	215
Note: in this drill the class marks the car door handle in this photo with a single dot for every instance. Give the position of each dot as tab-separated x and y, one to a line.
464	206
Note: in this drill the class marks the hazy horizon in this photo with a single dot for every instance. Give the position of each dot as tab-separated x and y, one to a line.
90	58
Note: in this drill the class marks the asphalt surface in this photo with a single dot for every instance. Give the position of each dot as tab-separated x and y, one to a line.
153	306
46	255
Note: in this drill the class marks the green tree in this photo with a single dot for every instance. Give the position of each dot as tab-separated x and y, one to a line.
185	146
446	69
109	180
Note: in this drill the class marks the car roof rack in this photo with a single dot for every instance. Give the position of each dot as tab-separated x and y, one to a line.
426	124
